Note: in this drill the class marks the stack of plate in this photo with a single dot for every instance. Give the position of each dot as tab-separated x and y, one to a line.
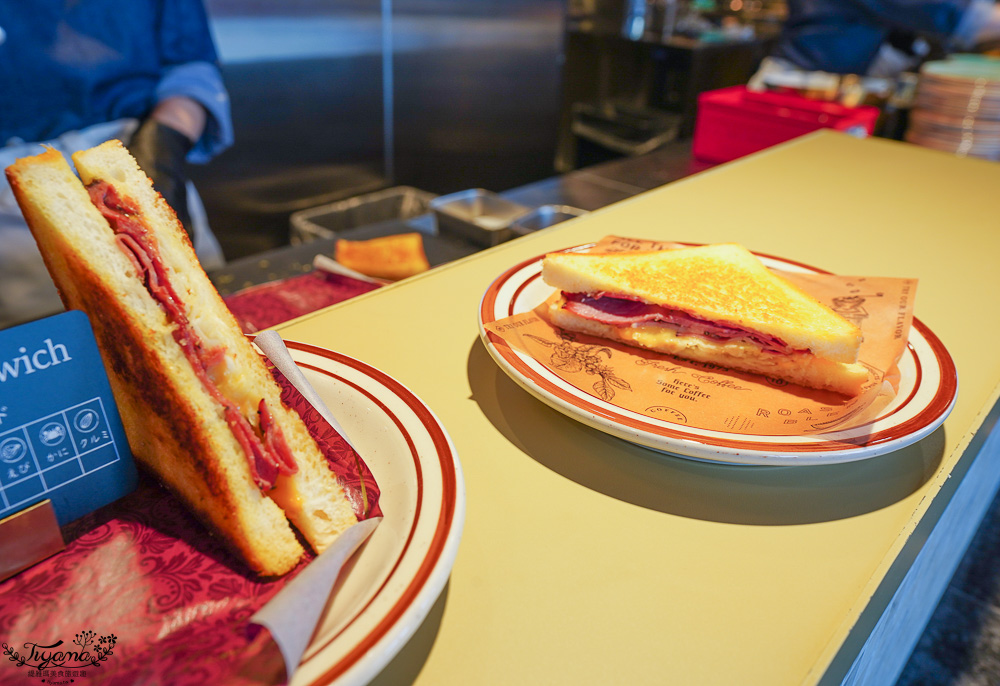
957	107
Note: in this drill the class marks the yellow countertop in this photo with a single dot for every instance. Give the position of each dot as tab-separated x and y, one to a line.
587	560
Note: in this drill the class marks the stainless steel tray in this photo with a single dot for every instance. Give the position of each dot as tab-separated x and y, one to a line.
478	215
326	221
544	217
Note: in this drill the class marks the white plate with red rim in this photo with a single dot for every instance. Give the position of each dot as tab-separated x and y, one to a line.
394	580
927	392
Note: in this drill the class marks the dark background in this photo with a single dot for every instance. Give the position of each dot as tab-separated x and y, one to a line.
470	99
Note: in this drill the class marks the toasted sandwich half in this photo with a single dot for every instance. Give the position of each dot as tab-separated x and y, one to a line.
715	304
200	409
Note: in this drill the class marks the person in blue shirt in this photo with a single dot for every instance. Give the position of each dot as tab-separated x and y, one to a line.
879	38
75	74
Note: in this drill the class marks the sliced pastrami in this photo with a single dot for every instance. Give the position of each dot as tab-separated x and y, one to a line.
268	458
274	439
619	311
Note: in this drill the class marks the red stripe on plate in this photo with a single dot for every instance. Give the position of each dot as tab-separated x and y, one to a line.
446	514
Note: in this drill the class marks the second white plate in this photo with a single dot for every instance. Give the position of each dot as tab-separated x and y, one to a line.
395	579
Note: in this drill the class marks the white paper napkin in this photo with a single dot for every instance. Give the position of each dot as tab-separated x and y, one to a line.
293	614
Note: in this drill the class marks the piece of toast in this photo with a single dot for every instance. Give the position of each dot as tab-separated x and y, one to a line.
388	257
176	427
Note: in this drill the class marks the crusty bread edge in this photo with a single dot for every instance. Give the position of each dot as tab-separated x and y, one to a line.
318	506
171	431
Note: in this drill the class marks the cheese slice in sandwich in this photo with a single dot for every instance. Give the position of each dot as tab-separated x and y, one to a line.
200	408
715	304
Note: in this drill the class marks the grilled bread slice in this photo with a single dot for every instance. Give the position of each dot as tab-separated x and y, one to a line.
188	384
388	257
714	304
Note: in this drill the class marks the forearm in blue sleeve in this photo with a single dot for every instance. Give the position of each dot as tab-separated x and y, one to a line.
202	82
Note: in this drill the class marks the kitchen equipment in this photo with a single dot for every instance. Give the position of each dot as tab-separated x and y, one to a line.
478	215
399	202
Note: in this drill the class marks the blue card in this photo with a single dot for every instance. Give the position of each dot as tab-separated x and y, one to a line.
61	436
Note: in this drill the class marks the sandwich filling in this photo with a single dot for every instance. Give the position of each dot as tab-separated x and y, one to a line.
625	311
266	450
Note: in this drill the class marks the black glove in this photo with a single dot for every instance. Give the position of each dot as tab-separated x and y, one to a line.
161	152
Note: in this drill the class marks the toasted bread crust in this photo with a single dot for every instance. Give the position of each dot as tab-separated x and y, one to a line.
319	507
723	283
389	257
175	428
165	427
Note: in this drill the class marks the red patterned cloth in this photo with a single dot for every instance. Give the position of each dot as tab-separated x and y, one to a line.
149	595
261	307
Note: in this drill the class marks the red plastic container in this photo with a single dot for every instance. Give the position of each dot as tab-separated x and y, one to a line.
733	122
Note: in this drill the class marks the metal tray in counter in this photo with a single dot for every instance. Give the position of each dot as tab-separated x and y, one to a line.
293	260
478	215
326	221
544	217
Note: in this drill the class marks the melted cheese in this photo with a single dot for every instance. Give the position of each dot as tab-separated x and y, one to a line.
286	494
665	338
230	377
231	380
